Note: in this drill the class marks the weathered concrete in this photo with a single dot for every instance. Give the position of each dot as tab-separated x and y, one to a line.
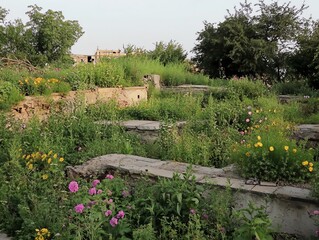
4	237
287	206
309	132
188	88
289	98
41	106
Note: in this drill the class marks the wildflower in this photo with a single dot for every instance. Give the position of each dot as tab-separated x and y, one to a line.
109	192
109	176
30	166
73	186
259	144
257	111
247	120
242	133
120	214
45	176
79	208
61	159
108	213
305	163
316	212
192	211
91	203
250	113
271	148
99	191
55	156
205	216
286	148
44	231
92	191
49	161
49	153
247	154
310	169
125	193
95	182
114	221
310	164
294	150
258	138
256	145
248	145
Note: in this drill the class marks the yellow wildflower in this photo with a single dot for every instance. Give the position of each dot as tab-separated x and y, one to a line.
310	164
49	153
256	145
294	150
28	156
30	166
271	148
286	148
61	159
248	145
44	230
44	177
310	169
259	138
247	154
55	156
257	111
305	163
259	144
49	161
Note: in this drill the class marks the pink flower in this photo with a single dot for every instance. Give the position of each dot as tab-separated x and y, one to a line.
114	221
109	176
250	113
110	201
192	211
108	213
73	186
99	191
205	216
242	133
79	208
120	214
125	193
247	120
92	191
95	182
316	212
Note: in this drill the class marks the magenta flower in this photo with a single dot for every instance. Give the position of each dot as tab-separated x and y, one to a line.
120	214
73	186
108	213
99	191
95	182
79	208
114	221
92	191
247	120
192	211
110	201
109	176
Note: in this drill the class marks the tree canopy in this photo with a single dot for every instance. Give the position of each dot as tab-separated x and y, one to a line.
262	40
45	38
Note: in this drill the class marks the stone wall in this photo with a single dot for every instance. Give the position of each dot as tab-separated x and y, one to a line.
42	106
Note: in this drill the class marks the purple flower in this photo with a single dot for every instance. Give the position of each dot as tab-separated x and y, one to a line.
108	213
205	216
192	211
73	186
125	193
114	221
120	214
99	191
92	191
109	176
79	208
95	182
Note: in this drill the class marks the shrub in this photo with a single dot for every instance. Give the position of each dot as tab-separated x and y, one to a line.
245	88
9	94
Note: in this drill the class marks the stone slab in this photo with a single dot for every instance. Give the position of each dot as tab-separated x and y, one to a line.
294	193
4	237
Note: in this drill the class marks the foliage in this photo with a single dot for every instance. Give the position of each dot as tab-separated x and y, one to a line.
253	223
9	94
251	42
46	38
171	52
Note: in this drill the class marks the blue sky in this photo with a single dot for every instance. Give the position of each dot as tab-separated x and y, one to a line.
110	24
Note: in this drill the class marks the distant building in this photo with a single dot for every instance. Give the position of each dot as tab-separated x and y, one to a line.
99	54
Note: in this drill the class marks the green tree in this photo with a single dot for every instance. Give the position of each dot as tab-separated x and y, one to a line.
171	52
253	42
53	36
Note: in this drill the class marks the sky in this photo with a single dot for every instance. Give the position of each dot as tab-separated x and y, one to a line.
112	24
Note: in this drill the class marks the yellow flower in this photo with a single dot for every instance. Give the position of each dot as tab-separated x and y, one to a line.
55	156
49	153
61	159
257	111
256	145
44	156
271	148
30	166
248	145
28	156
49	161
294	150
247	154
286	148
44	230
305	163
310	169
259	138
44	177
310	164
259	144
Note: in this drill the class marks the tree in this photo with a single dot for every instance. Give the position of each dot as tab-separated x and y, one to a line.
171	52
248	42
46	38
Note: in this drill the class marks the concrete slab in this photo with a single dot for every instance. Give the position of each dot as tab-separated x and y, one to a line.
4	237
294	193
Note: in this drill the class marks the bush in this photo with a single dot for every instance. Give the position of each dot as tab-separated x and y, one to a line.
9	95
245	88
